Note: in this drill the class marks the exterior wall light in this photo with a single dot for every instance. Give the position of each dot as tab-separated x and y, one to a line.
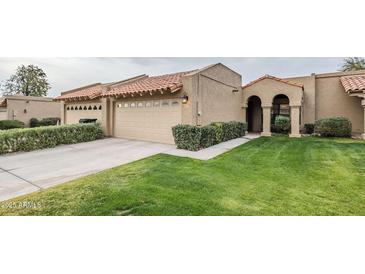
235	90
185	99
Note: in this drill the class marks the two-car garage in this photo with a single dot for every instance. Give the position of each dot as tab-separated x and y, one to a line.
149	120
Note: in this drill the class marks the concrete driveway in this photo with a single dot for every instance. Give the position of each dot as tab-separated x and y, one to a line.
22	173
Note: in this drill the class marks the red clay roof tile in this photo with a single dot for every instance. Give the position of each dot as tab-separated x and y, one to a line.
354	83
168	82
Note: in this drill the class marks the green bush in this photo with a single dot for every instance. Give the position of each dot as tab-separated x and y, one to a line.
46	137
197	137
50	121
333	127
10	124
309	128
281	124
187	137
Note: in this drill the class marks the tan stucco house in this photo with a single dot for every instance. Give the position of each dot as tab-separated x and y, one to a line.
24	108
146	107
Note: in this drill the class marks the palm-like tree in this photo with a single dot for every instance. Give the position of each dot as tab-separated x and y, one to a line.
353	63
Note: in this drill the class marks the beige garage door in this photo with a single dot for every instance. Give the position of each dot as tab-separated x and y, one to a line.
147	120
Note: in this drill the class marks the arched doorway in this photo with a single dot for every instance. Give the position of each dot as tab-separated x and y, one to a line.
280	107
254	114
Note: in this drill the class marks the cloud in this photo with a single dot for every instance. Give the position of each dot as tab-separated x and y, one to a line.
68	73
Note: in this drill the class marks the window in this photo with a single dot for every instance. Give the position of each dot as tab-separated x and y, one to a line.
90	108
100	107
175	103
148	104
140	104
68	108
95	108
72	108
80	107
126	105
165	104
133	105
119	105
156	104
85	107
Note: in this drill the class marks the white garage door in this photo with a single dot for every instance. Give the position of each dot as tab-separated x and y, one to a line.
147	120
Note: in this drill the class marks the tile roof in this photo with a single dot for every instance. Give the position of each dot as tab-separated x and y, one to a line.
135	85
353	83
169	83
3	102
84	93
273	78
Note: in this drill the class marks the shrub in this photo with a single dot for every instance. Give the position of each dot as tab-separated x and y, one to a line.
333	127
309	128
198	137
281	124
10	124
187	137
46	137
218	128
50	121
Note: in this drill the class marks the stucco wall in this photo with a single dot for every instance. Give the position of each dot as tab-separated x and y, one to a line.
332	100
34	109
210	95
309	97
3	114
267	89
73	116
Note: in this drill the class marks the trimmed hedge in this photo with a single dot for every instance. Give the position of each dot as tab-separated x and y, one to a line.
309	128
47	137
50	121
10	124
333	127
281	124
197	137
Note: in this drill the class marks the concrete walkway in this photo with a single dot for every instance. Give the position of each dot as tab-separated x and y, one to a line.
26	172
213	151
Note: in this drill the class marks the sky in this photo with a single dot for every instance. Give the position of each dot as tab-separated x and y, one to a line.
68	73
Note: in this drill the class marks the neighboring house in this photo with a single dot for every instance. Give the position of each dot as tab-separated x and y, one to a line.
23	108
145	108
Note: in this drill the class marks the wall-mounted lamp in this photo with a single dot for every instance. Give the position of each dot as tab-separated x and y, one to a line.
185	99
235	90
25	110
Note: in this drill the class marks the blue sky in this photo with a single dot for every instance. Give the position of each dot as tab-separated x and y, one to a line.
68	73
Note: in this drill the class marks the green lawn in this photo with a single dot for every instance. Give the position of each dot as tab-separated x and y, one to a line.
267	176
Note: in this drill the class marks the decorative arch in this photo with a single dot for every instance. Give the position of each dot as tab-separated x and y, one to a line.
268	89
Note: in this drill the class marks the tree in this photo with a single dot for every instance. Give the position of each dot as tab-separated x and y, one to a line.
28	80
353	63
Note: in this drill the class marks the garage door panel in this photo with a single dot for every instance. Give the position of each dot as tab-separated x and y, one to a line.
147	123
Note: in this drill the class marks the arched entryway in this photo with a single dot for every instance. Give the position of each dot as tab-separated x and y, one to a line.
280	107
254	114
277	96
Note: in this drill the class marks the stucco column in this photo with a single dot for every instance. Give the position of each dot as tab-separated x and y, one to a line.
244	110
363	132
295	121
104	116
111	116
63	118
266	112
